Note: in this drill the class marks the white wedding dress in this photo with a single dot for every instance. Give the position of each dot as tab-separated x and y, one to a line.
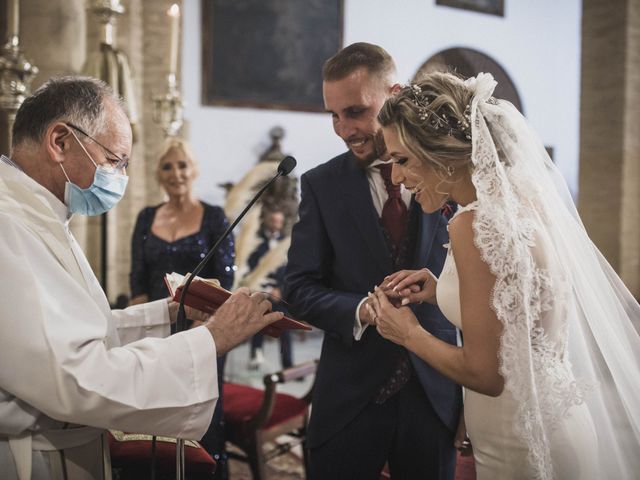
499	452
570	343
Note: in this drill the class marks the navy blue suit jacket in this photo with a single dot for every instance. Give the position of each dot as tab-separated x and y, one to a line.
338	253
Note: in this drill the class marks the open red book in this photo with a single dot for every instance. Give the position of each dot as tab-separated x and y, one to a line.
207	296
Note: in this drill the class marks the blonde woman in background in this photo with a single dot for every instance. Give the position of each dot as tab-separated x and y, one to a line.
174	237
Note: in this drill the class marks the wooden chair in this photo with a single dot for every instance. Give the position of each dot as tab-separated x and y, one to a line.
131	457
254	417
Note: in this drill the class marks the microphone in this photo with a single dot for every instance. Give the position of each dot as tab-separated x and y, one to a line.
287	164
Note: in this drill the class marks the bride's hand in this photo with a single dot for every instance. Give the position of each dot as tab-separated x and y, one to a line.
395	324
412	286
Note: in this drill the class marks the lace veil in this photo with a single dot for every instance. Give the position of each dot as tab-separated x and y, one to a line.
570	326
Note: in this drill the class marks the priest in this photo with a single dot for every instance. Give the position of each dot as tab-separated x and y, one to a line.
72	367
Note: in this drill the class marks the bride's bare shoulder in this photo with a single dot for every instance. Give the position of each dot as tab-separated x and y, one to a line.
461	225
461	238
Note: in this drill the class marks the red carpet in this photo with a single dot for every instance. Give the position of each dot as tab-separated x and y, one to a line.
465	469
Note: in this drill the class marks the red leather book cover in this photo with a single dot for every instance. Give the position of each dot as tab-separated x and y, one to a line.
207	296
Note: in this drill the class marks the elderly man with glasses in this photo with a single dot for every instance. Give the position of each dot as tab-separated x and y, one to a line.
71	367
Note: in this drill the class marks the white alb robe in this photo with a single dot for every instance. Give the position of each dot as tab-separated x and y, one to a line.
66	358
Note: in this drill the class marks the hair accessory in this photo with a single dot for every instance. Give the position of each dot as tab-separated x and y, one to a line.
440	122
465	122
420	101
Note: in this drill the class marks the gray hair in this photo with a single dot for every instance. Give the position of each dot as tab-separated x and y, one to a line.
77	100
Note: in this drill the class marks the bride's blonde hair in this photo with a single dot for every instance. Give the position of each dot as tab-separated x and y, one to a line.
431	118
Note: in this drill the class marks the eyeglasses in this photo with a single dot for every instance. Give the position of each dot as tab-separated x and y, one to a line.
118	163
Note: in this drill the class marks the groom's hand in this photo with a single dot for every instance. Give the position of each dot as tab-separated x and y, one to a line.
365	313
461	441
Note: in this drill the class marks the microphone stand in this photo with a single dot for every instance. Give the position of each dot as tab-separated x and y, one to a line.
181	319
181	322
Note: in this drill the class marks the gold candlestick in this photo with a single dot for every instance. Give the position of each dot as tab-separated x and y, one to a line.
16	73
107	12
167	110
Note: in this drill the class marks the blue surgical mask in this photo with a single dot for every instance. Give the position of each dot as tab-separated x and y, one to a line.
102	195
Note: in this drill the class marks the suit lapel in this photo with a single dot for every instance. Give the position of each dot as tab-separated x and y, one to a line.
355	184
429	224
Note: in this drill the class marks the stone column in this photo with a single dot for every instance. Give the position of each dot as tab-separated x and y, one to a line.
609	195
4	120
122	218
156	67
53	36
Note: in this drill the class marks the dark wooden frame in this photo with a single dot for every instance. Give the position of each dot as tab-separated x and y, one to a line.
492	7
268	92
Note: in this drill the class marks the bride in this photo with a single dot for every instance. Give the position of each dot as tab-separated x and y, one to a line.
551	355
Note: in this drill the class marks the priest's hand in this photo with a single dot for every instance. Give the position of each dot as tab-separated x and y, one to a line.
240	317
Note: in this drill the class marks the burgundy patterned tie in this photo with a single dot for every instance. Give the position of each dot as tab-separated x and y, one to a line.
394	210
394	219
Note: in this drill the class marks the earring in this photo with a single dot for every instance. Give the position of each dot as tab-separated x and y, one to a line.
450	170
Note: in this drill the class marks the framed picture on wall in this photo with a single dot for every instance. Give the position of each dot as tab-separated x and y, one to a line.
268	53
493	7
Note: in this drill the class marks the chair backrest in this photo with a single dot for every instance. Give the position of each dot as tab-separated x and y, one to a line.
255	417
283	376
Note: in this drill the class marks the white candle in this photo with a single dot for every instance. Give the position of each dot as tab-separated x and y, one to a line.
13	13
174	14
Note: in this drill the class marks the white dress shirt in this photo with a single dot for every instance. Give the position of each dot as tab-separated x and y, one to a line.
379	196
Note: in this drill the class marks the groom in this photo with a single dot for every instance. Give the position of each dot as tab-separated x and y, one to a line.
373	402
